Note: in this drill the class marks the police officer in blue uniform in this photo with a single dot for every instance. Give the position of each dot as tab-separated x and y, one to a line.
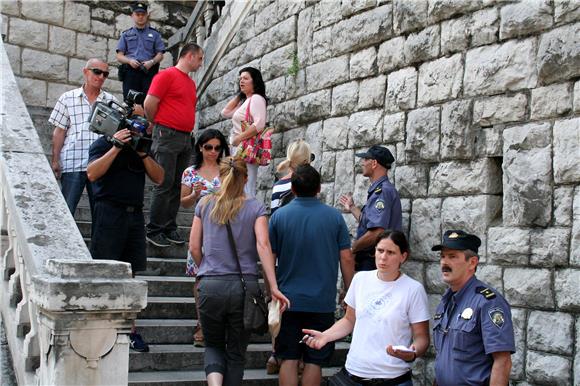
472	326
139	50
381	211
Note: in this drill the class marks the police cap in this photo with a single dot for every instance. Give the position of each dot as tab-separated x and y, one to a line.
139	7
379	153
460	240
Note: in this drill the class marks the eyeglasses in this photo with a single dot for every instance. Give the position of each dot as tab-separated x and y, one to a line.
208	147
98	72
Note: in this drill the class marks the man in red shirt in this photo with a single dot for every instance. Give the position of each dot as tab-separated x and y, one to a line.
170	104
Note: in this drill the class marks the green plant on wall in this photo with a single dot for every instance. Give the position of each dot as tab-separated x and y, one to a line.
295	67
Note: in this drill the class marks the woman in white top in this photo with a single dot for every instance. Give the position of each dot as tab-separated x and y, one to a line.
388	315
250	106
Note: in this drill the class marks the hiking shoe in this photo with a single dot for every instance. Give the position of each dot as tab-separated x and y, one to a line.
174	237
137	343
159	240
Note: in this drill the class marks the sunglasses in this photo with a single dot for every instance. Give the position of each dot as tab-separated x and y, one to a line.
98	72
208	147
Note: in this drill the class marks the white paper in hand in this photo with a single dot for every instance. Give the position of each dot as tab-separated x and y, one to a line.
274	317
403	349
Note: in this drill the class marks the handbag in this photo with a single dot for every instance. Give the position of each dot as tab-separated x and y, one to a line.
258	149
255	310
190	267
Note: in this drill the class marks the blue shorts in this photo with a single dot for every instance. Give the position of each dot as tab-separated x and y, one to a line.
287	346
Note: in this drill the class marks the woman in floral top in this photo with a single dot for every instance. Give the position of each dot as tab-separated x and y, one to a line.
202	177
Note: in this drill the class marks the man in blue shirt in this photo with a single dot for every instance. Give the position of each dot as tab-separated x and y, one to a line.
381	211
139	50
472	326
309	239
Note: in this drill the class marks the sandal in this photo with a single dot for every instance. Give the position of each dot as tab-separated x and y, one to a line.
198	340
273	364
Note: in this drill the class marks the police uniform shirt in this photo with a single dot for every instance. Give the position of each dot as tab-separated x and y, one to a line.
382	209
141	44
468	327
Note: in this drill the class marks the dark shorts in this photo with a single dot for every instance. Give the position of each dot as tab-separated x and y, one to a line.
119	234
287	346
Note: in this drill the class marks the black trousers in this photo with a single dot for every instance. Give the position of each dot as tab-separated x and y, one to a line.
137	80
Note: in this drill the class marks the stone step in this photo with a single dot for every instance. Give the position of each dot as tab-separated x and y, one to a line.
252	377
172	252
86	226
184	216
167	266
177	331
169	307
187	357
181	286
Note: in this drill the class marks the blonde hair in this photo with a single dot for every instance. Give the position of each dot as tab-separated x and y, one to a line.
229	199
297	153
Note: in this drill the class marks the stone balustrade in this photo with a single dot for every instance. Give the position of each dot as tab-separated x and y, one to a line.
66	317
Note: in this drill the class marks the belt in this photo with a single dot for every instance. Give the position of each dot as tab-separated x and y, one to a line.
126	208
380	381
171	128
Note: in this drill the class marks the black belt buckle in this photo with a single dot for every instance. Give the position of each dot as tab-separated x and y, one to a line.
381	381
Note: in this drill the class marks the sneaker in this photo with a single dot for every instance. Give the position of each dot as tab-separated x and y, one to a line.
174	237
137	343
159	240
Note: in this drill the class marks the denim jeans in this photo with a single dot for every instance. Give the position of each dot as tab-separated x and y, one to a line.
72	186
172	150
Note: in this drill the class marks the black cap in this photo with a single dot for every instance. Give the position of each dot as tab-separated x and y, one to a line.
379	153
139	7
460	240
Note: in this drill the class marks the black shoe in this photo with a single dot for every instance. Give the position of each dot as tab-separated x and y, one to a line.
159	240
137	343
174	237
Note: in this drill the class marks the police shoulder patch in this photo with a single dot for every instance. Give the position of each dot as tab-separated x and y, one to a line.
486	292
379	205
378	190
496	315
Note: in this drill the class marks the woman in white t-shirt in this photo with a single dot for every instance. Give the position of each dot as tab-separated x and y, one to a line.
388	315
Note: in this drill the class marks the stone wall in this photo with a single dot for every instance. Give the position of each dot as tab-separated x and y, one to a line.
49	42
480	103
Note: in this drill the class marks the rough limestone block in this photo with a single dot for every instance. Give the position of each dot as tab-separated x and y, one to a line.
296	84
75	71
499	109
122	22
39	10
327	73
276	90
33	91
43	65
577	358
326	12
445	9
344	176
277	62
304	37
268	17
313	106
10	7
285	115
78	17
55	90
457	177
455	34
566	11
518	358
350	7
90	46
313	136
291	7
327	166
457	135
401	90
103	14
550	247
321	45
364	128
374	92
409	15
563	197
61	41
390	55
566	150
411	180
440	80
489	274
575	242
433	280
499	68
474	214
425	228
344	98
511	245
413	269
549	369
102	29
551	101
489	142
528	287
524	18
577	97
363	63
362	30
527	178
281	34
394	128
13	53
326	196
28	33
4	24
290	136
423	45
484	27
559	54
567	289
422	135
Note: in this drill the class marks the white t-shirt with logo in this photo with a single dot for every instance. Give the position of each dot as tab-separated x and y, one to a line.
384	314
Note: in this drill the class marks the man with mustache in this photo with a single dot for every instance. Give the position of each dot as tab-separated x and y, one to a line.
472	326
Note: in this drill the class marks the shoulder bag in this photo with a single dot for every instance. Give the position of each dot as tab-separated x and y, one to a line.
255	310
258	149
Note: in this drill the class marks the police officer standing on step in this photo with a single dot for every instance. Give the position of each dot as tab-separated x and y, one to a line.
139	50
382	210
472	327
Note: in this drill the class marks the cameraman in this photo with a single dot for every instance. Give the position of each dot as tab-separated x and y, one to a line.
118	176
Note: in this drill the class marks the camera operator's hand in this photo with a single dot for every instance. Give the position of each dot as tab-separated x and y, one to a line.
134	63
123	135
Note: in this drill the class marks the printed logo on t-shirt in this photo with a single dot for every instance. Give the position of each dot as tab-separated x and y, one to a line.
376	304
